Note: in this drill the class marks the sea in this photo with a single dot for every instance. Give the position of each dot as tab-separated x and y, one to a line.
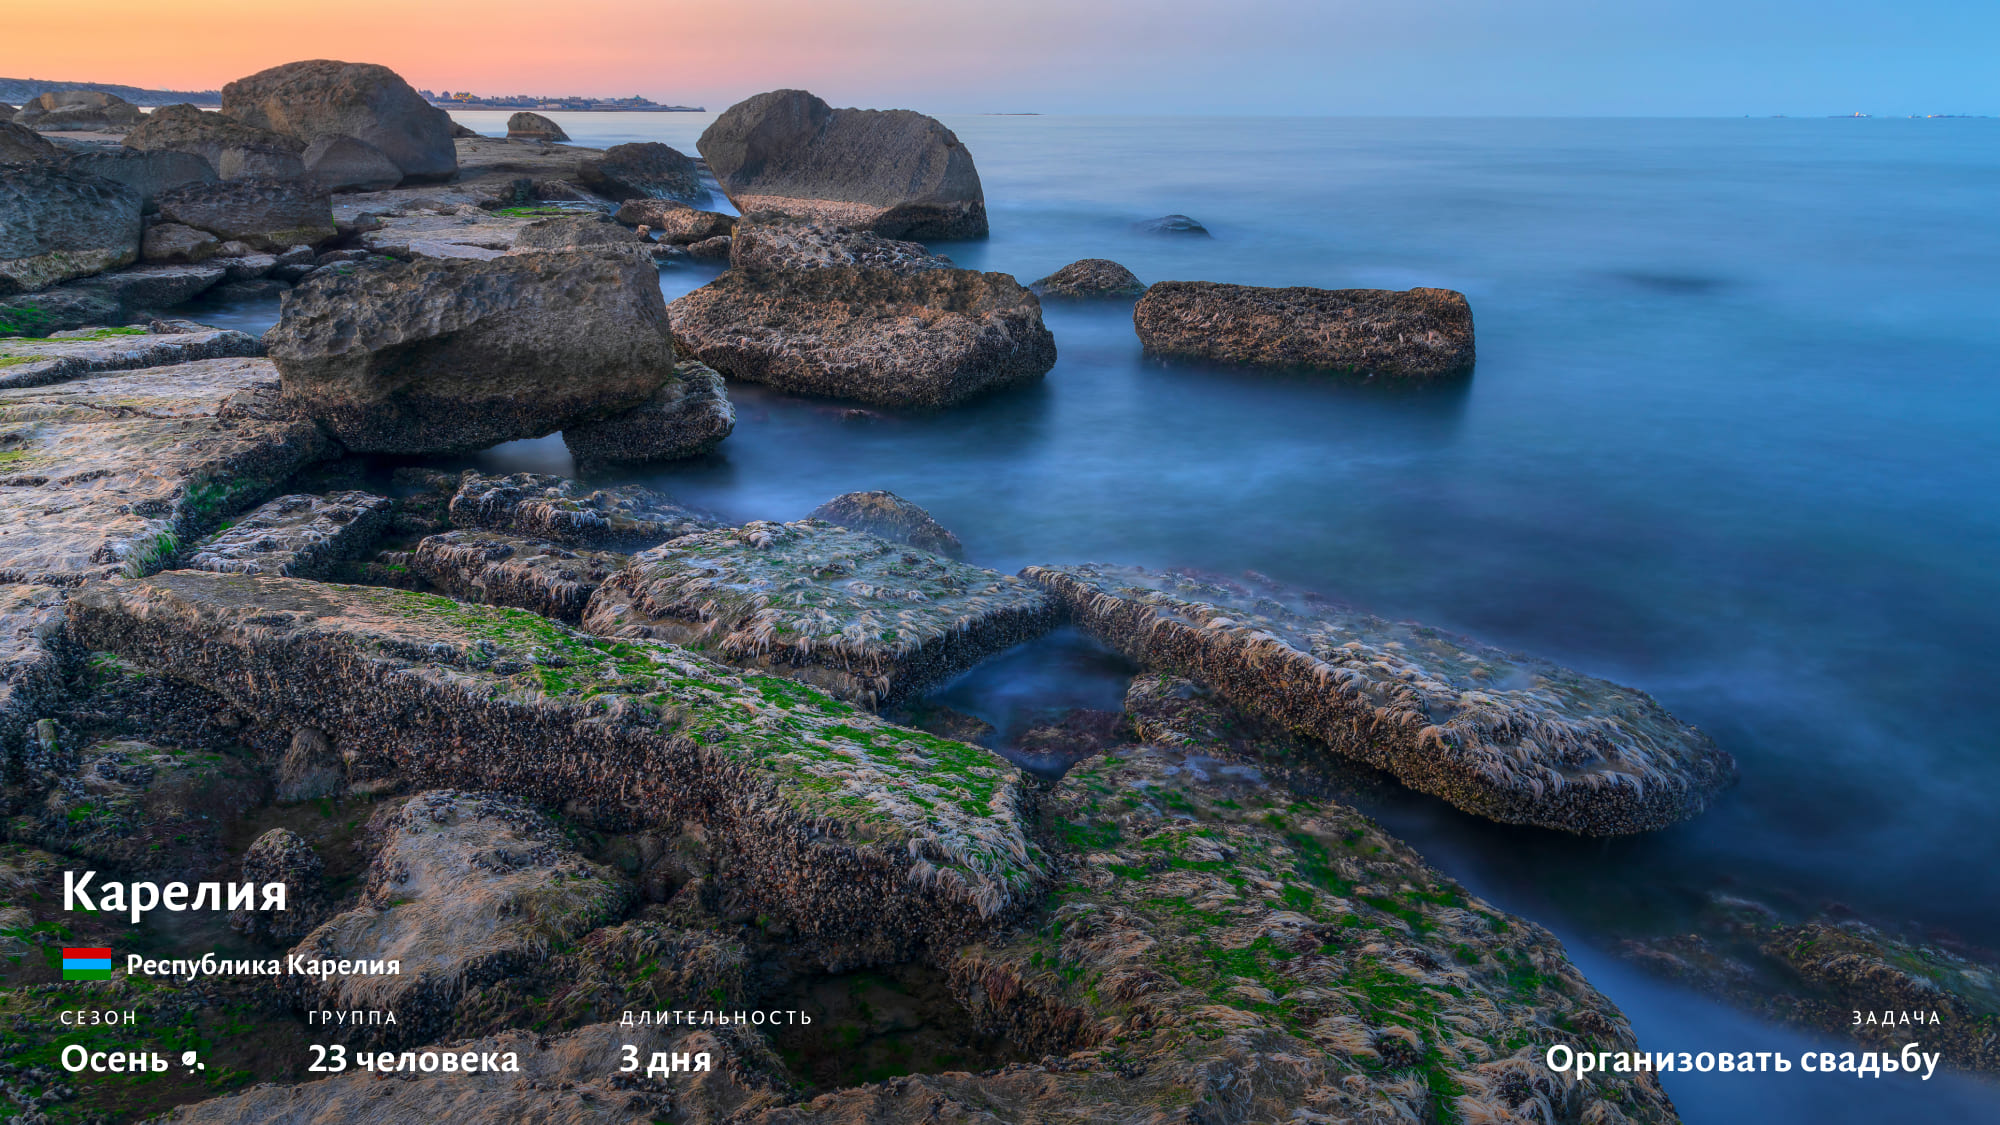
1733	438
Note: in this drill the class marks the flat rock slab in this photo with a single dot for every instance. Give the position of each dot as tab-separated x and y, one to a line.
493	568
1498	734
1415	333
109	474
28	362
933	337
468	887
871	841
625	518
298	536
867	619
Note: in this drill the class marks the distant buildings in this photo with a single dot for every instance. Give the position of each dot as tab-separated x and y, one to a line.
465	99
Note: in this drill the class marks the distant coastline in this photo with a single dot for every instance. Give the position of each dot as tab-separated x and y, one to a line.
568	103
15	91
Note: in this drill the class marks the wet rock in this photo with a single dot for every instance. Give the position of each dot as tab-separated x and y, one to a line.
625	518
1415	333
343	163
35	657
56	224
442	355
297	535
687	417
943	721
675	222
1090	277
526	126
231	148
30	362
868	841
711	249
1075	735
22	145
643	170
261	289
768	242
309	769
574	232
497	569
931	338
321	97
153	288
1174	224
107	475
267	214
283	856
897	173
78	110
861	617
172	242
148	173
143	808
890	517
1498	734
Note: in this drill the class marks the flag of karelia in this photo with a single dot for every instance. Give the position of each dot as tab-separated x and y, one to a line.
86	964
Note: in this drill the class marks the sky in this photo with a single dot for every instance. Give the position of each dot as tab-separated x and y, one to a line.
1384	57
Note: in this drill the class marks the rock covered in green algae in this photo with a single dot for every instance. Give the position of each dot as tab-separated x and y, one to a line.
688	416
864	618
143	808
868	840
628	517
1502	735
26	362
298	535
493	568
1416	333
891	517
107	475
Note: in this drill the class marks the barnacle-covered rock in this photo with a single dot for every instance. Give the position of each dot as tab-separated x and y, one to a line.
298	535
283	856
139	807
1499	734
499	569
1417	333
688	416
868	840
891	517
627	517
864	618
35	656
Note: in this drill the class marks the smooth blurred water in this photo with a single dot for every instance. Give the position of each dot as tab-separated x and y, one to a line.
1731	439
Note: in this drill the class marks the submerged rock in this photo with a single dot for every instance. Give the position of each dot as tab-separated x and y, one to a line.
895	172
626	518
1090	277
29	362
857	615
1498	734
1174	224
1416	333
441	355
264	213
868	841
493	568
298	536
890	517
779	242
56	224
321	97
676	223
686	417
931	338
643	170
525	126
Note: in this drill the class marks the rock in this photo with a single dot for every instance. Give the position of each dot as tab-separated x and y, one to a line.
889	516
342	163
283	856
710	249
172	242
458	131
687	417
1416	333
442	355
231	148
107	475
299	536
244	292
868	841
267	214
28	362
79	110
894	172
1500	735
676	222
309	770
863	618
532	574
643	170
74	305
627	518
22	145
35	655
148	173
154	288
56	225
573	232
468	887
1090	277
526	126
930	338
145	808
234	249
1074	735
1173	224
765	242
310	100
482	238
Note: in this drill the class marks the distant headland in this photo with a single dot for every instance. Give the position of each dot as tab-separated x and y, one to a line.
571	102
16	91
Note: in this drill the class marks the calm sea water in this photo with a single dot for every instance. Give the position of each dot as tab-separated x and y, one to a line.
1731	439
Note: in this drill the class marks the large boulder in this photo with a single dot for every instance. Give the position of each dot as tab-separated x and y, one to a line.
643	170
343	163
266	214
56	224
895	172
688	416
457	354
85	110
1416	333
525	126
233	149
933	337
21	145
322	97
151	174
